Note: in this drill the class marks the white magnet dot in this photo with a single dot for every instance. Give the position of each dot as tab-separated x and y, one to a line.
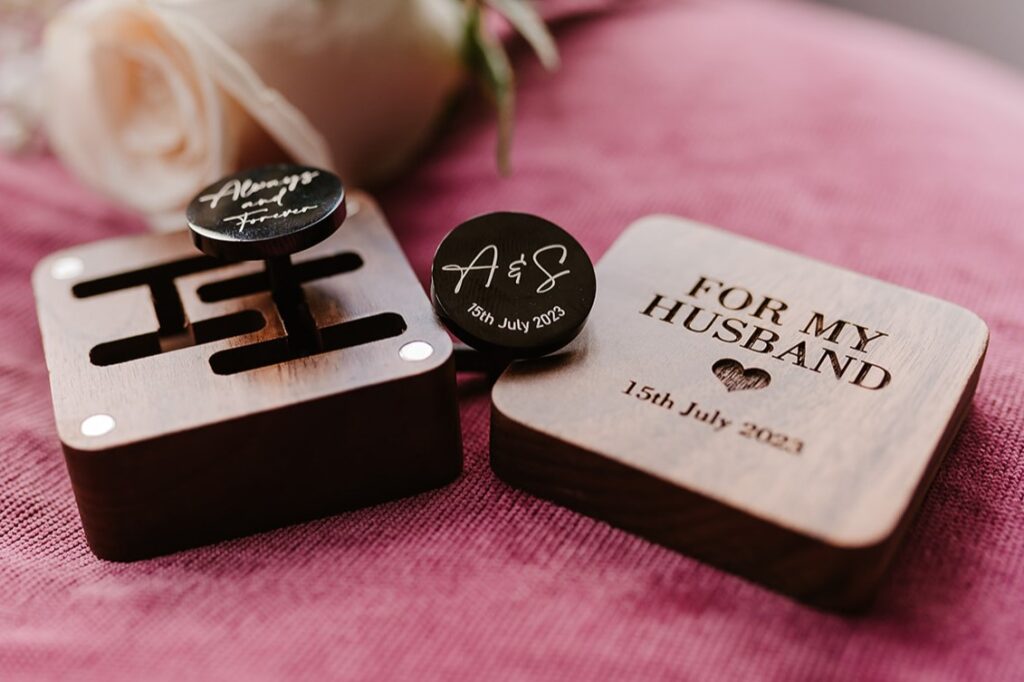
67	267
352	206
414	351
97	425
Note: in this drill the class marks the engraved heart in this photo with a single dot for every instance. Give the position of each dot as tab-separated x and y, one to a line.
736	378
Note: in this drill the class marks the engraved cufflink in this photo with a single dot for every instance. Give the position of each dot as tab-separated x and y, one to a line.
511	286
269	213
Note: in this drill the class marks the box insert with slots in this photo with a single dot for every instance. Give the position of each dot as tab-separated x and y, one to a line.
187	416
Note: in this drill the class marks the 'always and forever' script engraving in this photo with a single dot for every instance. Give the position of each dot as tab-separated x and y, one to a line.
255	210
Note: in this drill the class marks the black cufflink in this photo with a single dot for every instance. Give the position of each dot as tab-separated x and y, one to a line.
511	286
269	213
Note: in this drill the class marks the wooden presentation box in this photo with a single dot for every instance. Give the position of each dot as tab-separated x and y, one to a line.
775	416
186	417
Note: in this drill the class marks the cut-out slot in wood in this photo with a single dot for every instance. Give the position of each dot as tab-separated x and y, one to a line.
149	344
307	271
170	312
174	329
164	272
343	335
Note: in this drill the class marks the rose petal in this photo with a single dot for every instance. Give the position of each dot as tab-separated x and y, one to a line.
286	124
128	109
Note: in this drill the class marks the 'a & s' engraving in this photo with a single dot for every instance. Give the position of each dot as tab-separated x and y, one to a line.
487	260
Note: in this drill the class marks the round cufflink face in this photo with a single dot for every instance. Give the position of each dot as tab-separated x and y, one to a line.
512	284
266	212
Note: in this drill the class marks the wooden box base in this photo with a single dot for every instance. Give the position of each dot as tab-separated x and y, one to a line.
813	571
186	419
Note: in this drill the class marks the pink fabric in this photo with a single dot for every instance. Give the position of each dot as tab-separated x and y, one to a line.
837	138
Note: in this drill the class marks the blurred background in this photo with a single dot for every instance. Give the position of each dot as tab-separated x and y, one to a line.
994	27
990	27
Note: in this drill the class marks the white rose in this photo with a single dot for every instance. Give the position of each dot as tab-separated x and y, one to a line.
149	100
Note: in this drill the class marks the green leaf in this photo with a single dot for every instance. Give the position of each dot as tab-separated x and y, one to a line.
486	58
524	18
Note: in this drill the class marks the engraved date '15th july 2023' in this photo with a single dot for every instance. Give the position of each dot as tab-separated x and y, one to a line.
714	419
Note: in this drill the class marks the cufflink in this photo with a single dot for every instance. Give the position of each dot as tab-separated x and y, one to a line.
511	286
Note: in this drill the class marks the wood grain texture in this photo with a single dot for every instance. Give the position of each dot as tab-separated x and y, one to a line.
806	468
198	456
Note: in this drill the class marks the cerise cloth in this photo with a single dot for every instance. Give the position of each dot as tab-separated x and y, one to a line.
850	142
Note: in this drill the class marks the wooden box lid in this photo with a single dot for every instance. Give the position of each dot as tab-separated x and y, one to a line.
803	396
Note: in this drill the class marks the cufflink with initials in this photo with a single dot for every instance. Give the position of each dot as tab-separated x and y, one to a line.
511	286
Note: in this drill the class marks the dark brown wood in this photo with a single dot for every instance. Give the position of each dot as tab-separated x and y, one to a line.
221	427
820	520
